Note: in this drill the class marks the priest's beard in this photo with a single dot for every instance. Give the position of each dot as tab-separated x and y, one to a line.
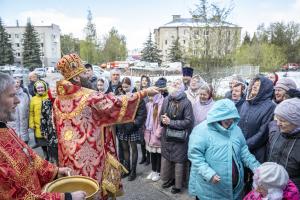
6	116
85	82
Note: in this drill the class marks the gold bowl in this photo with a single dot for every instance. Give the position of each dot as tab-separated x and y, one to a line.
72	184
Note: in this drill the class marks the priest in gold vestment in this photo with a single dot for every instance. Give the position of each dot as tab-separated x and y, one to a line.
83	118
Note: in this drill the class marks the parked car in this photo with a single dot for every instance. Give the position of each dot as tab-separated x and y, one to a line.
41	72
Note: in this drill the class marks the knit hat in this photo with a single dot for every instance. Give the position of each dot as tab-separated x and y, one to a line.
271	175
161	82
289	110
286	84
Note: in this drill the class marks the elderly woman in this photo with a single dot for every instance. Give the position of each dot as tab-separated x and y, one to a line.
284	138
218	152
192	92
204	103
177	120
282	87
256	113
238	95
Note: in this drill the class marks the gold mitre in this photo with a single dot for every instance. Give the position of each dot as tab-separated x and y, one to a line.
70	66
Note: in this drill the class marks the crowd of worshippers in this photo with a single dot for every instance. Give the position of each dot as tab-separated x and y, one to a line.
243	146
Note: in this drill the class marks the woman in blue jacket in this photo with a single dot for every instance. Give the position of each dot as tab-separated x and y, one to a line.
218	153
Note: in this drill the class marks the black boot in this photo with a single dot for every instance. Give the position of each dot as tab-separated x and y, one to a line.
147	158
127	166
143	160
132	174
168	184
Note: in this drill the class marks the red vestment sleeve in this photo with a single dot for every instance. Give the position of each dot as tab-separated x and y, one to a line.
110	109
9	189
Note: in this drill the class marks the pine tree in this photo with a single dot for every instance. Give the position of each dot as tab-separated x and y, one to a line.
151	53
6	51
247	39
175	52
31	48
254	39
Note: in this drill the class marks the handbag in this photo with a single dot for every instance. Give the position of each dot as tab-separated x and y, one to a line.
173	135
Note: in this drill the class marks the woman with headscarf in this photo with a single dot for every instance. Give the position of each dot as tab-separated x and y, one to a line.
204	104
47	126
145	83
192	92
41	91
128	134
177	120
256	113
102	84
284	138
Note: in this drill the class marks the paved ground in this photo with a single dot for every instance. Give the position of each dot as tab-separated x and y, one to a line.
140	189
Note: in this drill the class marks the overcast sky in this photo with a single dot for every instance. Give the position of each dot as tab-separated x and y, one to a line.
136	18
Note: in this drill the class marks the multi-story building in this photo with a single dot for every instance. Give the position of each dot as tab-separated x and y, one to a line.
49	38
197	37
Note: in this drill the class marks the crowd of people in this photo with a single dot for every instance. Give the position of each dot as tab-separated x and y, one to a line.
243	146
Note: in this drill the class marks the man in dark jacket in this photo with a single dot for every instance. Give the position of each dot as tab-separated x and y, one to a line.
284	138
256	113
32	79
90	74
114	83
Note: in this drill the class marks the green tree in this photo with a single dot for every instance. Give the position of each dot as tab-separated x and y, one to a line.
114	46
69	44
175	52
247	39
208	54
150	52
90	29
6	51
254	39
31	48
268	56
89	48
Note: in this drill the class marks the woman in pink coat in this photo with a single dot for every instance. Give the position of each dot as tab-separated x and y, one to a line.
153	130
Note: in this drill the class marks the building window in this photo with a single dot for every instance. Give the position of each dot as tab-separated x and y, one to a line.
42	44
196	32
166	42
183	41
18	54
42	54
166	51
53	36
16	35
9	35
17	44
